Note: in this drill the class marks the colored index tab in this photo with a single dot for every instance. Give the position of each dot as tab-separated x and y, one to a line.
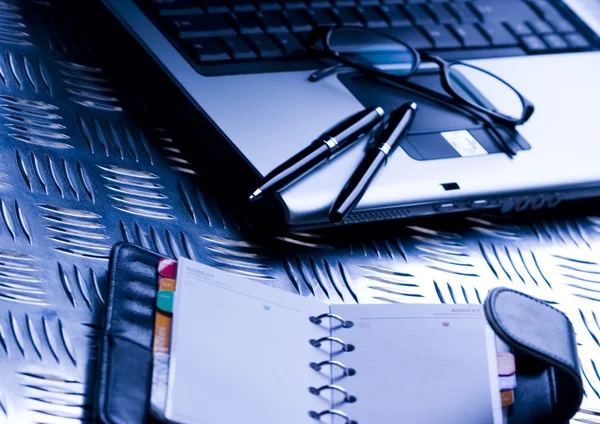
167	284
506	363
508	382
167	268
162	323
164	300
507	397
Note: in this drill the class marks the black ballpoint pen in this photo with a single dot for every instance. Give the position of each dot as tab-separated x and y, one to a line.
386	139
324	147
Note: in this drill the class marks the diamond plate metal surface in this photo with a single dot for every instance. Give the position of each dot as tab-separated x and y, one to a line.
82	167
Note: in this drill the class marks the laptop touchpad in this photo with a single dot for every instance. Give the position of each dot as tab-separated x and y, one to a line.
437	133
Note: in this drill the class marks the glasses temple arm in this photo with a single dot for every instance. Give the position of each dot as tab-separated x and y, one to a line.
325	72
529	109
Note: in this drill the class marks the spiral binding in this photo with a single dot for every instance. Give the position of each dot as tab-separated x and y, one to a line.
347	372
318	415
317	320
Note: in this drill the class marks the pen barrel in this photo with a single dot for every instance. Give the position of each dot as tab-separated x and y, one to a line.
357	184
296	166
352	128
330	142
385	140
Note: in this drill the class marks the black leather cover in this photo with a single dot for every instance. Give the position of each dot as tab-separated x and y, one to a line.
549	386
125	365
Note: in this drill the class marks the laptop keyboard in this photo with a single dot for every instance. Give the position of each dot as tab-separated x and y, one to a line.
262	35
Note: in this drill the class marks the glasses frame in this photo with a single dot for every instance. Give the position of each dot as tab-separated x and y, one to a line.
454	101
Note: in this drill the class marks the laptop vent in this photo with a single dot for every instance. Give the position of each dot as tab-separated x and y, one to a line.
377	215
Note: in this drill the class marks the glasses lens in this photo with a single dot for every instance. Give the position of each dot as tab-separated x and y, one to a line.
485	90
368	48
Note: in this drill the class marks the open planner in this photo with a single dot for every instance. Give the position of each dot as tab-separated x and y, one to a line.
242	351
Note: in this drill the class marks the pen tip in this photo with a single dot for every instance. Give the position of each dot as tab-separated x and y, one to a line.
256	195
413	106
379	111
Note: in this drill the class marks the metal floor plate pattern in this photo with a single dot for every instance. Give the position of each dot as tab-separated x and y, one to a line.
82	169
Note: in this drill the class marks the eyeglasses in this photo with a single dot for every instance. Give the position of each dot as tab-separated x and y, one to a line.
472	90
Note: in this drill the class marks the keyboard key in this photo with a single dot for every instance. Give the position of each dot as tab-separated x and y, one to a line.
463	12
395	16
241	5
544	9
577	41
441	37
322	17
555	42
484	10
520	28
264	5
409	35
318	4
470	36
294	4
344	3
541	27
213	6
560	24
442	14
176	7
419	14
299	20
207	49
373	18
201	26
498	34
368	2
289	44
348	16
273	22
265	46
238	48
302	37
503	10
533	43
247	23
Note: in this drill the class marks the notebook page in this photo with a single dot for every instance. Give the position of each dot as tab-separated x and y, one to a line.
240	351
420	364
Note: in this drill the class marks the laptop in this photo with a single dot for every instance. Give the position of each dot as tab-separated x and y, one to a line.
234	75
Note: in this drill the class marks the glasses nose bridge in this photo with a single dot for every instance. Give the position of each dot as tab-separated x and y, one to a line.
428	57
